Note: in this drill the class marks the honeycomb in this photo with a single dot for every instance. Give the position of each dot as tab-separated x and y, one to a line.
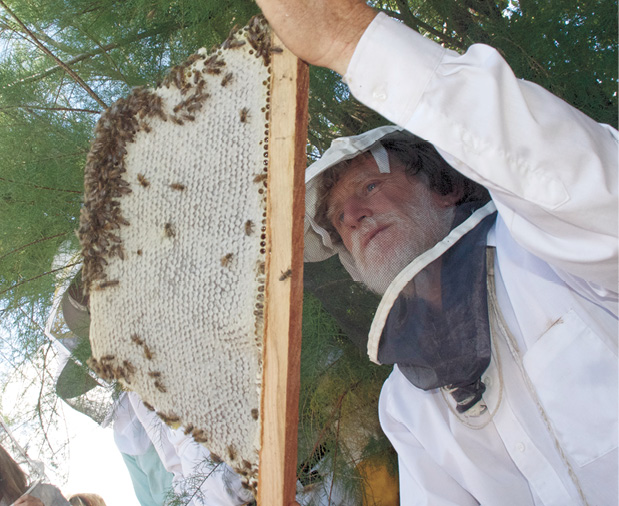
173	234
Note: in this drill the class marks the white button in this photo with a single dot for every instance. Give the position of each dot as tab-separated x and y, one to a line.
520	447
380	95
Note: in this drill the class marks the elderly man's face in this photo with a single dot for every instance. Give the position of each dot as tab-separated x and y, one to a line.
386	220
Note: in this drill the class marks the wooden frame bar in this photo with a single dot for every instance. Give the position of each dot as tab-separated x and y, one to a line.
284	284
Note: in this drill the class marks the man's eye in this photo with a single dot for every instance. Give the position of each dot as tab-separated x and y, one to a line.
370	187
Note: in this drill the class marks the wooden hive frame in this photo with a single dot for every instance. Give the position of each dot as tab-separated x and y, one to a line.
284	285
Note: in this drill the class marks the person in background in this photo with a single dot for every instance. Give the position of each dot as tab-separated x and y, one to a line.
15	488
86	500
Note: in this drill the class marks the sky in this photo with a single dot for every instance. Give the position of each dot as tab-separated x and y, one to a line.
95	464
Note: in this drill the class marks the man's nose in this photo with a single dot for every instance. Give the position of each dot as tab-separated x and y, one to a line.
354	212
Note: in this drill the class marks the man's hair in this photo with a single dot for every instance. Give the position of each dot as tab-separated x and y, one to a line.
420	159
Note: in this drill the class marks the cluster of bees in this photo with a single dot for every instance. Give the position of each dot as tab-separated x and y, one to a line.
108	368
259	38
104	185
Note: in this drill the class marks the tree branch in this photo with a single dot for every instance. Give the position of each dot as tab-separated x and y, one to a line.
37	277
85	56
32	243
68	70
415	23
30	107
40	187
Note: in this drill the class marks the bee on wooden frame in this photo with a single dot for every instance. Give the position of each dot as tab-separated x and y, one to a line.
285	275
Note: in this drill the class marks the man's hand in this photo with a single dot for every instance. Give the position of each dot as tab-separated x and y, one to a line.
321	32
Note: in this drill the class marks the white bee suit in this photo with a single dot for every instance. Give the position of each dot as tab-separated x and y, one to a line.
550	433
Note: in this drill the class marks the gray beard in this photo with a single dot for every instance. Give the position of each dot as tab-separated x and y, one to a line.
378	268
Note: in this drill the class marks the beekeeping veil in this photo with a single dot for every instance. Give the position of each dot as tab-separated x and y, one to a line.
432	320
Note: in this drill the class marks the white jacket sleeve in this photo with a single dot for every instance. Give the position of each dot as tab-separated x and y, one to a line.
551	170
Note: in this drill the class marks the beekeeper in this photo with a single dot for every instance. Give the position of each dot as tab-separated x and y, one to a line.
501	316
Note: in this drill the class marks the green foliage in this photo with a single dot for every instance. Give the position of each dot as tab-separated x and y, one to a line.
338	406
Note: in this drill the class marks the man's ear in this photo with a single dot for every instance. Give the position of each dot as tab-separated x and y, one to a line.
450	199
456	195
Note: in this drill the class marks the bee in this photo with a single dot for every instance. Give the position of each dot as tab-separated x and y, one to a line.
225	260
169	230
260	177
215	458
285	275
236	43
159	386
199	436
143	181
148	406
261	268
196	77
136	339
147	352
139	252
244	115
232	452
274	49
107	284
255	413
129	366
107	358
117	250
177	186
196	106
227	78
146	127
249	227
189	117
168	418
214	71
188	429
177	120
194	57
154	374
